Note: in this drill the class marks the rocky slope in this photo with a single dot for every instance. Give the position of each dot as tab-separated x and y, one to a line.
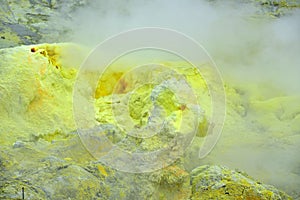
42	152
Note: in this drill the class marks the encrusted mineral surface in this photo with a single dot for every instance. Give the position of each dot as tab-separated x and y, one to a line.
218	182
42	152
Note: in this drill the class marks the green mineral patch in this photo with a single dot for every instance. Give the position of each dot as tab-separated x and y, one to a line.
217	182
140	104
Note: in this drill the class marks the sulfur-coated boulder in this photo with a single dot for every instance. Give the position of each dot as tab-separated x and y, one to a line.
218	182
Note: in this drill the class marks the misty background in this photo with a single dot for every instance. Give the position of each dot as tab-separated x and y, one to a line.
249	48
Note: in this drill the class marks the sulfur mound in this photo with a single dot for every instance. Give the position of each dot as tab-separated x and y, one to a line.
40	151
36	84
218	182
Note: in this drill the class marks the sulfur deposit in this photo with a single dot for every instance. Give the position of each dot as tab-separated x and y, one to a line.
218	182
41	151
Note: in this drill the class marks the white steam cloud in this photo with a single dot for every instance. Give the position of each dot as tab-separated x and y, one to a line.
247	47
242	43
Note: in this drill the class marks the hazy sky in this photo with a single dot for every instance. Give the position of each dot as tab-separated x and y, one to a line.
241	42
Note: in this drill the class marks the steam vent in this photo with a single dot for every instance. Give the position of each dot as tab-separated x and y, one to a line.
150	99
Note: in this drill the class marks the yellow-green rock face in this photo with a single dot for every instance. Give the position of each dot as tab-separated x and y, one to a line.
217	182
36	91
41	151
